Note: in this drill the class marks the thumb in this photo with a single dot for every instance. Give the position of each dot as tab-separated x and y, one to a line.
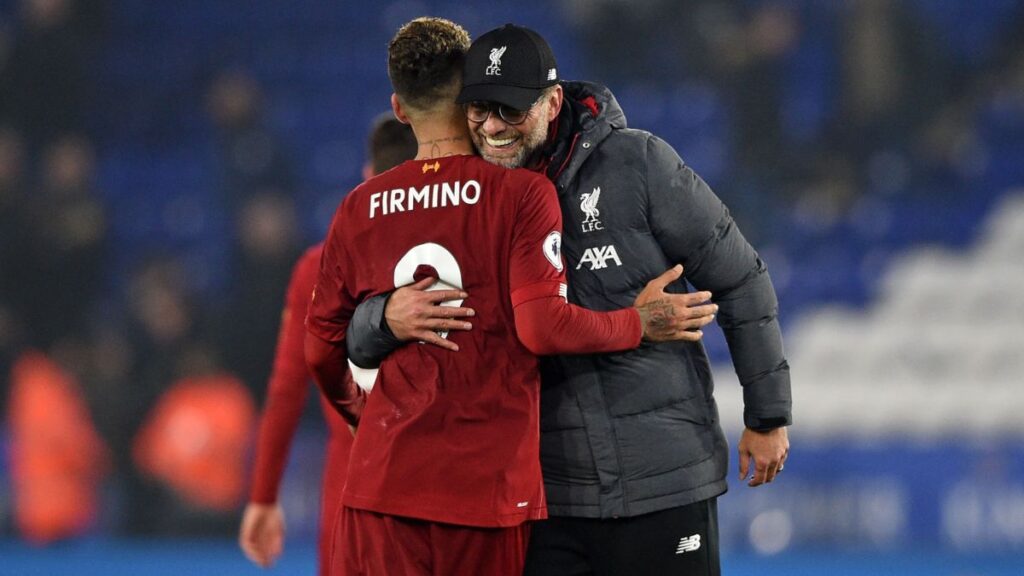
667	277
744	463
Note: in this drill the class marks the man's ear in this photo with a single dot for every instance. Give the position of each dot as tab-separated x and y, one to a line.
555	101
396	107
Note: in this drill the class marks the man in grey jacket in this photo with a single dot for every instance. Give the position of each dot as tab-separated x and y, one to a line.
632	450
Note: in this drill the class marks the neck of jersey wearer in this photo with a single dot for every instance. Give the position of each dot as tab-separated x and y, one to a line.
442	137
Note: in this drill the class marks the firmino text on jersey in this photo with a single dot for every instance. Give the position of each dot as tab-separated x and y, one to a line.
437	195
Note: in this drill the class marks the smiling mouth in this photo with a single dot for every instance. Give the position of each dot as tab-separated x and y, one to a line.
499	142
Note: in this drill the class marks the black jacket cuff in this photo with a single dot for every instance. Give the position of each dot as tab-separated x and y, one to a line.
368	339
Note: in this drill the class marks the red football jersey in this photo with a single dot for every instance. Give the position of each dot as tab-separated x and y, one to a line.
447	436
286	396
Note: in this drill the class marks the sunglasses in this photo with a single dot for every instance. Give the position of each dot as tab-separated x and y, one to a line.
479	111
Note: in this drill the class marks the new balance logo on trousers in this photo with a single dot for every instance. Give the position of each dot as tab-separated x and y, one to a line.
688	544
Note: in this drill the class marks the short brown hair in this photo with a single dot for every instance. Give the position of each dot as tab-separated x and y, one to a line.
390	143
425	62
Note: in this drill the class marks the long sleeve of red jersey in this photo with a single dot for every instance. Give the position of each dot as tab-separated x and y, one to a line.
550	325
325	352
288	386
545	322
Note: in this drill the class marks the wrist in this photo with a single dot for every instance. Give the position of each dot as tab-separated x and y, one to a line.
383	324
764	425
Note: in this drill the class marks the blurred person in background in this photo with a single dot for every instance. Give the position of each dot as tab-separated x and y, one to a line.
950	146
266	247
44	86
609	30
747	48
251	158
169	341
262	532
57	458
737	47
194	446
633	454
13	249
257	188
732	52
752	68
67	250
887	54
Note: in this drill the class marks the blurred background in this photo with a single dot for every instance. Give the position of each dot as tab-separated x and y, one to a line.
162	165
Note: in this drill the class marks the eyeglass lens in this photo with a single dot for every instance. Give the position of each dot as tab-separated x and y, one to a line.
479	111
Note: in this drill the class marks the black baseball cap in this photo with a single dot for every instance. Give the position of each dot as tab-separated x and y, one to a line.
510	65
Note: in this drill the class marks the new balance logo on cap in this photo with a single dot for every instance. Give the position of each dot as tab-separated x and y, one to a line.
688	544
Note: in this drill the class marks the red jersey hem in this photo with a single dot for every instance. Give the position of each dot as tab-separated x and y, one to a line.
445	515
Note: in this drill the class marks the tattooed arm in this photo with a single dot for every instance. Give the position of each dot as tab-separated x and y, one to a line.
666	316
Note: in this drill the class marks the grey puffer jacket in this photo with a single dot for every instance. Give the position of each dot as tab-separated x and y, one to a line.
636	432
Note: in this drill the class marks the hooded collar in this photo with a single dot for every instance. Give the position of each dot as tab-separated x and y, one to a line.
589	114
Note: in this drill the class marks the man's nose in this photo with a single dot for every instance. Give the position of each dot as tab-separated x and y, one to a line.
494	124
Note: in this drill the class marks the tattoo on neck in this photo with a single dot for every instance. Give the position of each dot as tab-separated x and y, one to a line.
437	142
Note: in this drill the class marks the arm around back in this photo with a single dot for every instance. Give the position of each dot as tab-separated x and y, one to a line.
328	364
550	325
368	339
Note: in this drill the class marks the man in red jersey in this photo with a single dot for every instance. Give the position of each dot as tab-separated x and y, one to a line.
444	472
261	535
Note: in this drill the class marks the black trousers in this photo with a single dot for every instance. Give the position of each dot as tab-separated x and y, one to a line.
679	541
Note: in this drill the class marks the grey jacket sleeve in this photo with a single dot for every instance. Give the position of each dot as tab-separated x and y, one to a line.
694	228
368	339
